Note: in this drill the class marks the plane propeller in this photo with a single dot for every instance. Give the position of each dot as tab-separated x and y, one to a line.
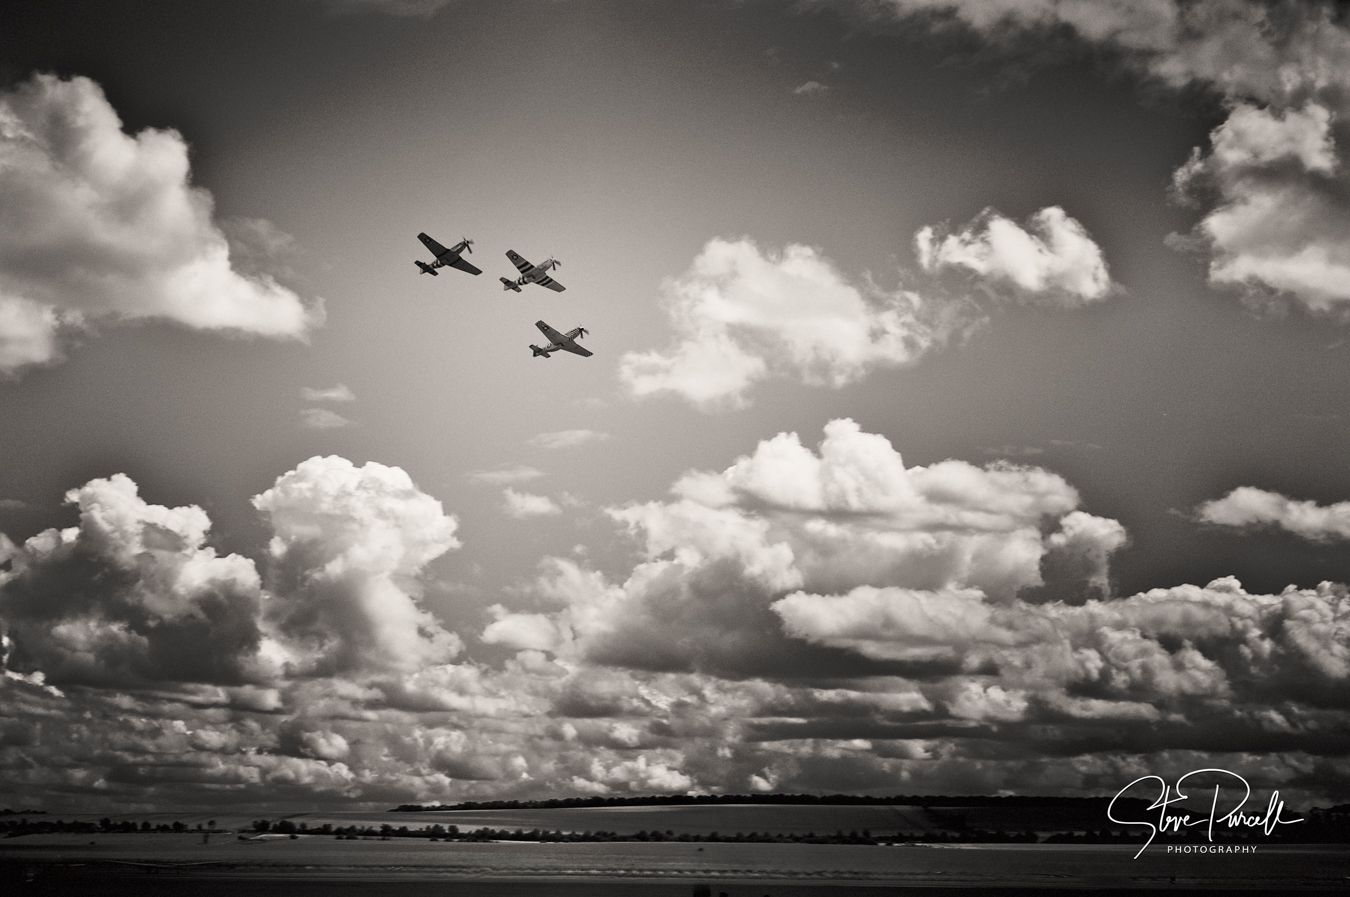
468	245
581	332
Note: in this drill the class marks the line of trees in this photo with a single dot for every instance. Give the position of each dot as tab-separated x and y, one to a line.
1329	826
438	832
664	800
12	827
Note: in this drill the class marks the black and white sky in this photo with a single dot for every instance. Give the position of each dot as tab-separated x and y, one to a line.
967	415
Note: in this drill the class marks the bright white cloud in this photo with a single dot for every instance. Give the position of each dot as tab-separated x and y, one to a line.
1052	258
638	775
523	632
99	226
742	315
349	545
1247	506
785	518
523	505
1279	215
564	439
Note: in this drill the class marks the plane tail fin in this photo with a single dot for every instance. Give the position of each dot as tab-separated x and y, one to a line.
509	284
426	269
538	351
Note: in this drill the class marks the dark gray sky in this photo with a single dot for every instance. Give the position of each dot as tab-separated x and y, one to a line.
1130	305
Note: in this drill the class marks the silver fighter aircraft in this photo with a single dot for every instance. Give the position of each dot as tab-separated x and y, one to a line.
566	342
445	256
530	273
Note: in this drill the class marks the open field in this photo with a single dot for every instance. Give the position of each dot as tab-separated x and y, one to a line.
740	869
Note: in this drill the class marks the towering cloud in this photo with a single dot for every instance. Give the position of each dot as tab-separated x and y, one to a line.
131	596
98	226
350	543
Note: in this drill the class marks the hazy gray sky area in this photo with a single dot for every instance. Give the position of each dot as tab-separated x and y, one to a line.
967	411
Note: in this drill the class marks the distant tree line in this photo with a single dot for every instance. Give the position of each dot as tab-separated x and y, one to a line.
1321	826
1329	825
12	828
665	800
438	832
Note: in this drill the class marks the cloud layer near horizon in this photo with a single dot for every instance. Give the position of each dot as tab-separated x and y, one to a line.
805	619
99	226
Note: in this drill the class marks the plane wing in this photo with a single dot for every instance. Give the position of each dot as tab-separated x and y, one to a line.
466	266
552	284
571	346
436	248
521	265
552	335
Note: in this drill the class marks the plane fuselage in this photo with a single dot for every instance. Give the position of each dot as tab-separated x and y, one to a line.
451	254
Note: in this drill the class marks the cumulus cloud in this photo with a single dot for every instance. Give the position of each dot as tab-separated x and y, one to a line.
348	548
196	680
323	419
742	315
1271	183
1278	216
1166	646
101	226
637	775
1052	258
1247	506
784	518
132	595
523	505
564	439
135	595
807	618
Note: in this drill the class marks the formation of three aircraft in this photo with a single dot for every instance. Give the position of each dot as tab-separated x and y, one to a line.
529	273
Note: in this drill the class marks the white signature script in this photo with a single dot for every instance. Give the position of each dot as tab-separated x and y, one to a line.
1175	822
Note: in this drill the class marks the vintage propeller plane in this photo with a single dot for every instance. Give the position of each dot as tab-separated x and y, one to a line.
451	257
530	273
565	342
